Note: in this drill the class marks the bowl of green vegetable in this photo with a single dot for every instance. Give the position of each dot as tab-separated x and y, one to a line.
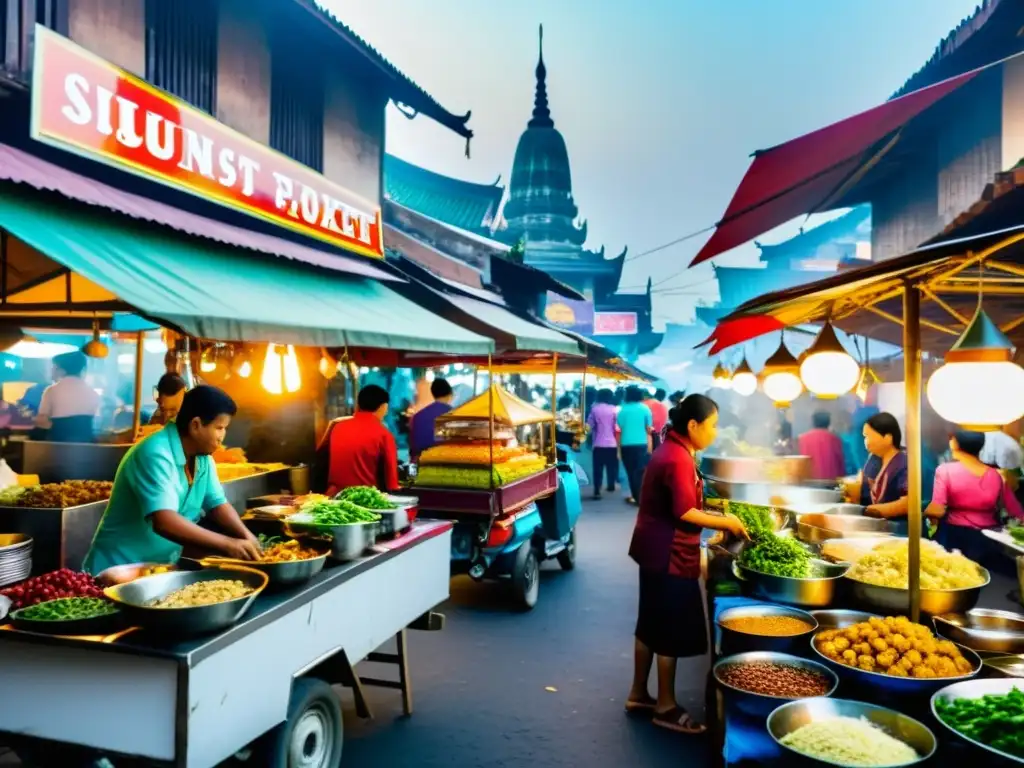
988	714
69	616
351	527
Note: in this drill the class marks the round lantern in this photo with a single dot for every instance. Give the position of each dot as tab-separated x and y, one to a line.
721	378
780	378
979	387
744	382
826	369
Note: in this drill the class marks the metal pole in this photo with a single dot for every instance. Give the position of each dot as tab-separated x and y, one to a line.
554	409
912	382
476	375
583	407
490	420
137	415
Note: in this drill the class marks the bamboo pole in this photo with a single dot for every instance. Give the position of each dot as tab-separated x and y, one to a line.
912	382
140	348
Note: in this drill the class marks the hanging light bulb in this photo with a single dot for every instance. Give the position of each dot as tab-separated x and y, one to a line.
780	378
241	366
208	360
744	382
273	371
292	376
979	387
867	379
721	378
96	348
328	365
245	369
826	368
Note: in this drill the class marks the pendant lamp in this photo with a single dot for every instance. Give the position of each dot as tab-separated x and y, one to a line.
721	378
979	387
744	382
96	348
826	368
780	378
328	365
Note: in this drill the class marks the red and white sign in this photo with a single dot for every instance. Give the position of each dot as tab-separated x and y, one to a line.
86	105
615	323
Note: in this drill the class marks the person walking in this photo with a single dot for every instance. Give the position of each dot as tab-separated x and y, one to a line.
659	415
824	447
604	441
635	437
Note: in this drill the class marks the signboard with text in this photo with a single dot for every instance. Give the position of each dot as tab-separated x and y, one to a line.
615	323
576	316
85	105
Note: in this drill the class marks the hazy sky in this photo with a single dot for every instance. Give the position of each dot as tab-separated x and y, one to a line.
661	102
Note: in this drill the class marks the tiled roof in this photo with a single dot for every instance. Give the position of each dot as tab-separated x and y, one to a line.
463	204
999	207
404	90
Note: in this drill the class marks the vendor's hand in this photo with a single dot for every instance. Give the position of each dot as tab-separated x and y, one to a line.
736	527
243	549
872	511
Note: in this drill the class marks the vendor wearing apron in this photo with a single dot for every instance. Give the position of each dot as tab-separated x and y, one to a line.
164	485
883	491
68	407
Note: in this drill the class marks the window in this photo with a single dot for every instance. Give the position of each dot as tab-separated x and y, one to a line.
181	49
296	103
17	18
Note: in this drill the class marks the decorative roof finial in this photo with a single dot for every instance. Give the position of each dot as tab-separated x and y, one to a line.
541	113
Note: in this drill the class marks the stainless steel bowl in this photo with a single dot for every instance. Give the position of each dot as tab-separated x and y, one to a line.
983	630
350	542
815	592
836	508
733	641
841	526
889	685
123	574
839	618
11	543
773	494
975	689
1004	666
758	704
895	601
753	469
811	534
790	717
134	599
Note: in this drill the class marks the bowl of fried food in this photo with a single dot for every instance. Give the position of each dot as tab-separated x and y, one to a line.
895	656
285	561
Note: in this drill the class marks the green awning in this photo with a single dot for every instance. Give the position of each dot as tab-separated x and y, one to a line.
219	293
529	336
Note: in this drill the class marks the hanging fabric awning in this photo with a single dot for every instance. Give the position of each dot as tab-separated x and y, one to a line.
61	258
804	174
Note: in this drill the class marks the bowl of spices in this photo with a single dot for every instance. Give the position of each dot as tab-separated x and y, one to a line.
758	682
765	627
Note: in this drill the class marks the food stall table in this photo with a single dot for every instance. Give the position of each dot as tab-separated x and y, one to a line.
194	703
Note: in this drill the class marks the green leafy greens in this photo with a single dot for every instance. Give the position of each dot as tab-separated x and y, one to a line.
768	552
365	496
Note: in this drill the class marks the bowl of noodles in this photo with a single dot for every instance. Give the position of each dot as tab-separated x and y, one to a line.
950	583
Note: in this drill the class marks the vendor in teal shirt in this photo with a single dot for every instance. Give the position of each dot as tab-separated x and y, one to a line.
164	485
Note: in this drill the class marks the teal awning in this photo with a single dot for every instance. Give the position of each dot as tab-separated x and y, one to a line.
214	292
529	336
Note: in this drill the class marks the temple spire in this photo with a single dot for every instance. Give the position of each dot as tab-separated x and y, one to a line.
541	113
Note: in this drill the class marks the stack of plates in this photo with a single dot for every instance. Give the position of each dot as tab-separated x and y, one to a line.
15	558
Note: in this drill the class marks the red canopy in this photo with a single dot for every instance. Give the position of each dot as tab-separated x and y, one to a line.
799	176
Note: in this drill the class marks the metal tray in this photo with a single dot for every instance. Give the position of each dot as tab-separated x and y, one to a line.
983	630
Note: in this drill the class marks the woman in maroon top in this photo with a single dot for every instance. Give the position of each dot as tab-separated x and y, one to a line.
666	545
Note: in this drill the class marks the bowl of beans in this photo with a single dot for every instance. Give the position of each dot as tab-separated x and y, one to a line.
765	627
756	683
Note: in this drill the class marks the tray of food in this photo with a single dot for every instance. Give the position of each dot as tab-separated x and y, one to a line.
70	493
68	616
351	529
284	561
758	682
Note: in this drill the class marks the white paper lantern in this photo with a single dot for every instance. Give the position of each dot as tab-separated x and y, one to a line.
744	382
721	378
780	378
826	369
979	387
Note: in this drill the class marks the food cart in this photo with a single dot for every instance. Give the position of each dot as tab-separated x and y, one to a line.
982	620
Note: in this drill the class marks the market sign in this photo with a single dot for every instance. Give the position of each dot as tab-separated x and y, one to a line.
576	316
615	323
88	106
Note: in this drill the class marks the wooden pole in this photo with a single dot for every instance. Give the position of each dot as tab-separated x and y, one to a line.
554	409
490	420
583	407
912	381
140	348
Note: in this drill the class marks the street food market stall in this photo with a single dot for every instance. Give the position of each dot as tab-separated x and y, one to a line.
819	588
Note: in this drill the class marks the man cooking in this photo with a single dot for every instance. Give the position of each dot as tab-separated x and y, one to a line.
165	484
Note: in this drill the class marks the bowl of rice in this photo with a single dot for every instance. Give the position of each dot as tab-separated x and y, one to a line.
852	734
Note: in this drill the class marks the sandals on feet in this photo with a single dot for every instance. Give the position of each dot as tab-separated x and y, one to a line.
678	719
645	705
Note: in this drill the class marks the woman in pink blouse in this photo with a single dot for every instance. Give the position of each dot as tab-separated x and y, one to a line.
968	498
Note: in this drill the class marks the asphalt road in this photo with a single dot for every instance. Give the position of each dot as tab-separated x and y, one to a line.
498	688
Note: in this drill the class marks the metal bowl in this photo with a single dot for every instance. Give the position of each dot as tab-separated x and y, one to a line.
758	704
283	574
734	641
812	534
774	495
817	592
819	527
887	685
975	689
11	543
983	630
123	574
895	601
839	618
135	597
790	717
1006	666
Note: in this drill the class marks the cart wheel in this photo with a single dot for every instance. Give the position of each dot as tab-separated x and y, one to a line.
526	576
312	736
567	557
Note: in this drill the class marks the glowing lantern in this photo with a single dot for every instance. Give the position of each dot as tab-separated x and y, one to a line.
328	365
744	382
721	378
826	369
979	387
96	347
292	376
780	378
